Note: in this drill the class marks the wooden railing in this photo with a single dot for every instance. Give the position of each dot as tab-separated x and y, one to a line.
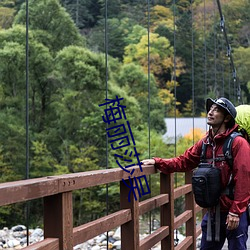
59	232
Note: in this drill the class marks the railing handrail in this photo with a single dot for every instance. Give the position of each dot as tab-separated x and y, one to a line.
24	190
58	209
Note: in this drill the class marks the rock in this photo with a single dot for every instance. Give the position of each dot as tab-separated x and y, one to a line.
103	243
100	238
117	235
18	228
112	240
117	244
13	243
38	232
111	233
3	233
16	238
95	248
81	246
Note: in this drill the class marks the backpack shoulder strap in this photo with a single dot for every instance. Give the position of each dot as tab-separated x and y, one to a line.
227	148
203	152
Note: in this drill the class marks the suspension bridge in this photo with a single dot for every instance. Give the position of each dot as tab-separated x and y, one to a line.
56	192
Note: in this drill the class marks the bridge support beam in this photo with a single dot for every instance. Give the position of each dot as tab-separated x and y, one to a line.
58	219
130	230
167	210
190	205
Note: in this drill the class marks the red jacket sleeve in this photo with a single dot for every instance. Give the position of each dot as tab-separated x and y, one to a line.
183	163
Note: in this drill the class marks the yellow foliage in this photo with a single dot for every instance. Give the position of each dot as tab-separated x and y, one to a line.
160	53
174	112
161	15
195	134
172	84
203	114
6	17
166	96
188	106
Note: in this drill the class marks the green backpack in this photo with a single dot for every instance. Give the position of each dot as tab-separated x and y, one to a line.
243	120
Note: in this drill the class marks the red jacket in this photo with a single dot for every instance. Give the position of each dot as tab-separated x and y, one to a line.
241	167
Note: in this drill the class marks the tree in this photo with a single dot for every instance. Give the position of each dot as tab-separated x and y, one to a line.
117	30
242	64
84	13
40	60
6	17
53	25
132	78
161	57
161	16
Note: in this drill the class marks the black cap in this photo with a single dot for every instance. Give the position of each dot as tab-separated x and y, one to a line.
223	103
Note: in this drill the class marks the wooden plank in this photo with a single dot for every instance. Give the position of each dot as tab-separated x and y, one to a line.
46	244
58	214
58	219
185	244
130	230
167	210
154	238
190	205
90	230
98	177
178	192
198	209
198	231
24	190
152	203
182	218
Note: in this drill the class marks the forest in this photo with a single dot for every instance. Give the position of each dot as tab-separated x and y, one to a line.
61	59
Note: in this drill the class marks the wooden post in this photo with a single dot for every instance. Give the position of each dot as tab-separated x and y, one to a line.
130	230
167	210
58	219
190	205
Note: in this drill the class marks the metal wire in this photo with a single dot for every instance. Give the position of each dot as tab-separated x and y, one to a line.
175	108
215	51
149	121
106	82
205	50
236	82
27	207
192	77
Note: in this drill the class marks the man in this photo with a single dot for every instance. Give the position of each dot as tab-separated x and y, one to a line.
221	115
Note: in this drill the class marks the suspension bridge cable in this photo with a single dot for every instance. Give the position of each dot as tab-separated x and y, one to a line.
174	72
205	49
215	52
221	68
192	73
149	121
175	95
229	53
27	207
106	83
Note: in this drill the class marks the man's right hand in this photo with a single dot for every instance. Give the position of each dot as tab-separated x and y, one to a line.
148	162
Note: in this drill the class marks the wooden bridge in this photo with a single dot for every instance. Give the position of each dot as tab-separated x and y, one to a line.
59	233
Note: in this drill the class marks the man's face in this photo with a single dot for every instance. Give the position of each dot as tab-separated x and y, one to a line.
215	116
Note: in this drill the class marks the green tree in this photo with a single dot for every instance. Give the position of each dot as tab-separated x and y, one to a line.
117	31
242	64
84	13
136	83
161	57
6	17
53	25
42	163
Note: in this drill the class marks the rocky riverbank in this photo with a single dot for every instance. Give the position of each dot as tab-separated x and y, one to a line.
16	238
